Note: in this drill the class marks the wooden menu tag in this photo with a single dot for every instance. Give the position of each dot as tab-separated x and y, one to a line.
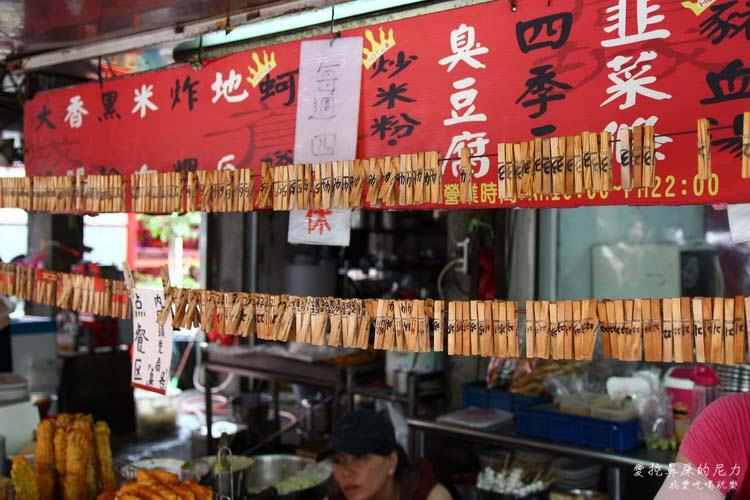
390	175
461	327
511	188
649	334
649	156
740	330
538	176
698	330
636	346
390	327
465	179
590	325
417	178
619	306
626	331
363	332
557	149
246	327
530	331
466	343
667	332
526	154
567	307
546	167
704	150
597	180
438	328
612	329
374	180
403	179
512	316
578	309
419	320
579	184
485	348
604	326
500	330
336	334
636	149
708	326
319	320
717	334
398	326
451	328
474	327
502	173
746	145
542	317
605	160
729	331
380	326
687	329
677	333
555	333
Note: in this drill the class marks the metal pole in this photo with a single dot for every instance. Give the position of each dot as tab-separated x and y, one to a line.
209	412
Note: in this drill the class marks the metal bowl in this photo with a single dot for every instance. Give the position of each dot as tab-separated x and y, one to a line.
236	480
271	474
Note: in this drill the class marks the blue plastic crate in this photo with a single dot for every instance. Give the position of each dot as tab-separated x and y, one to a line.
544	422
501	400
523	400
475	394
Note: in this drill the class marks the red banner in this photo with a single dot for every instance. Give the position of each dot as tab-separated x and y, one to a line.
473	76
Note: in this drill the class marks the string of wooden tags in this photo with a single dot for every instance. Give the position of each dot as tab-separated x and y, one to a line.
477	328
102	193
74	292
636	151
53	194
561	329
16	192
158	192
555	166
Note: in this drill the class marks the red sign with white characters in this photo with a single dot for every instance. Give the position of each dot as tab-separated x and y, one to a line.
472	76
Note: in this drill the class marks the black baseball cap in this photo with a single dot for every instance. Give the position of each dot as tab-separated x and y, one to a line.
360	433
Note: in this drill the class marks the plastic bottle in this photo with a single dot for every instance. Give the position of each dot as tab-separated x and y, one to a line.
705	390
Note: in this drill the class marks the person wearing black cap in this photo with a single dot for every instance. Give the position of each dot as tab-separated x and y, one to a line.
369	464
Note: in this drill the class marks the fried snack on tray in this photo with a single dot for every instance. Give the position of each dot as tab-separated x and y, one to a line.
77	450
105	471
159	485
24	480
44	459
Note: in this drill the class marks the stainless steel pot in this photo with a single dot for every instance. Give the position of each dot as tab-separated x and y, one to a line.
275	476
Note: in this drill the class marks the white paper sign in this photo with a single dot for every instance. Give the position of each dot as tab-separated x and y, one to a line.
739	222
320	227
330	76
152	343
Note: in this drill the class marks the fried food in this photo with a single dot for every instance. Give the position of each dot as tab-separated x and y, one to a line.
200	492
183	492
107	495
157	476
44	459
161	485
104	456
24	479
5	486
77	448
62	426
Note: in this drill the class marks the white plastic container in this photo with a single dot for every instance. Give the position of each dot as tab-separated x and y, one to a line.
156	414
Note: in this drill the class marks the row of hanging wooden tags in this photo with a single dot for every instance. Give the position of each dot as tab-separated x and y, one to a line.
68	291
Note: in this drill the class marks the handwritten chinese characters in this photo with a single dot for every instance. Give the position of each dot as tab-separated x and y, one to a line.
152	342
543	87
465	54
